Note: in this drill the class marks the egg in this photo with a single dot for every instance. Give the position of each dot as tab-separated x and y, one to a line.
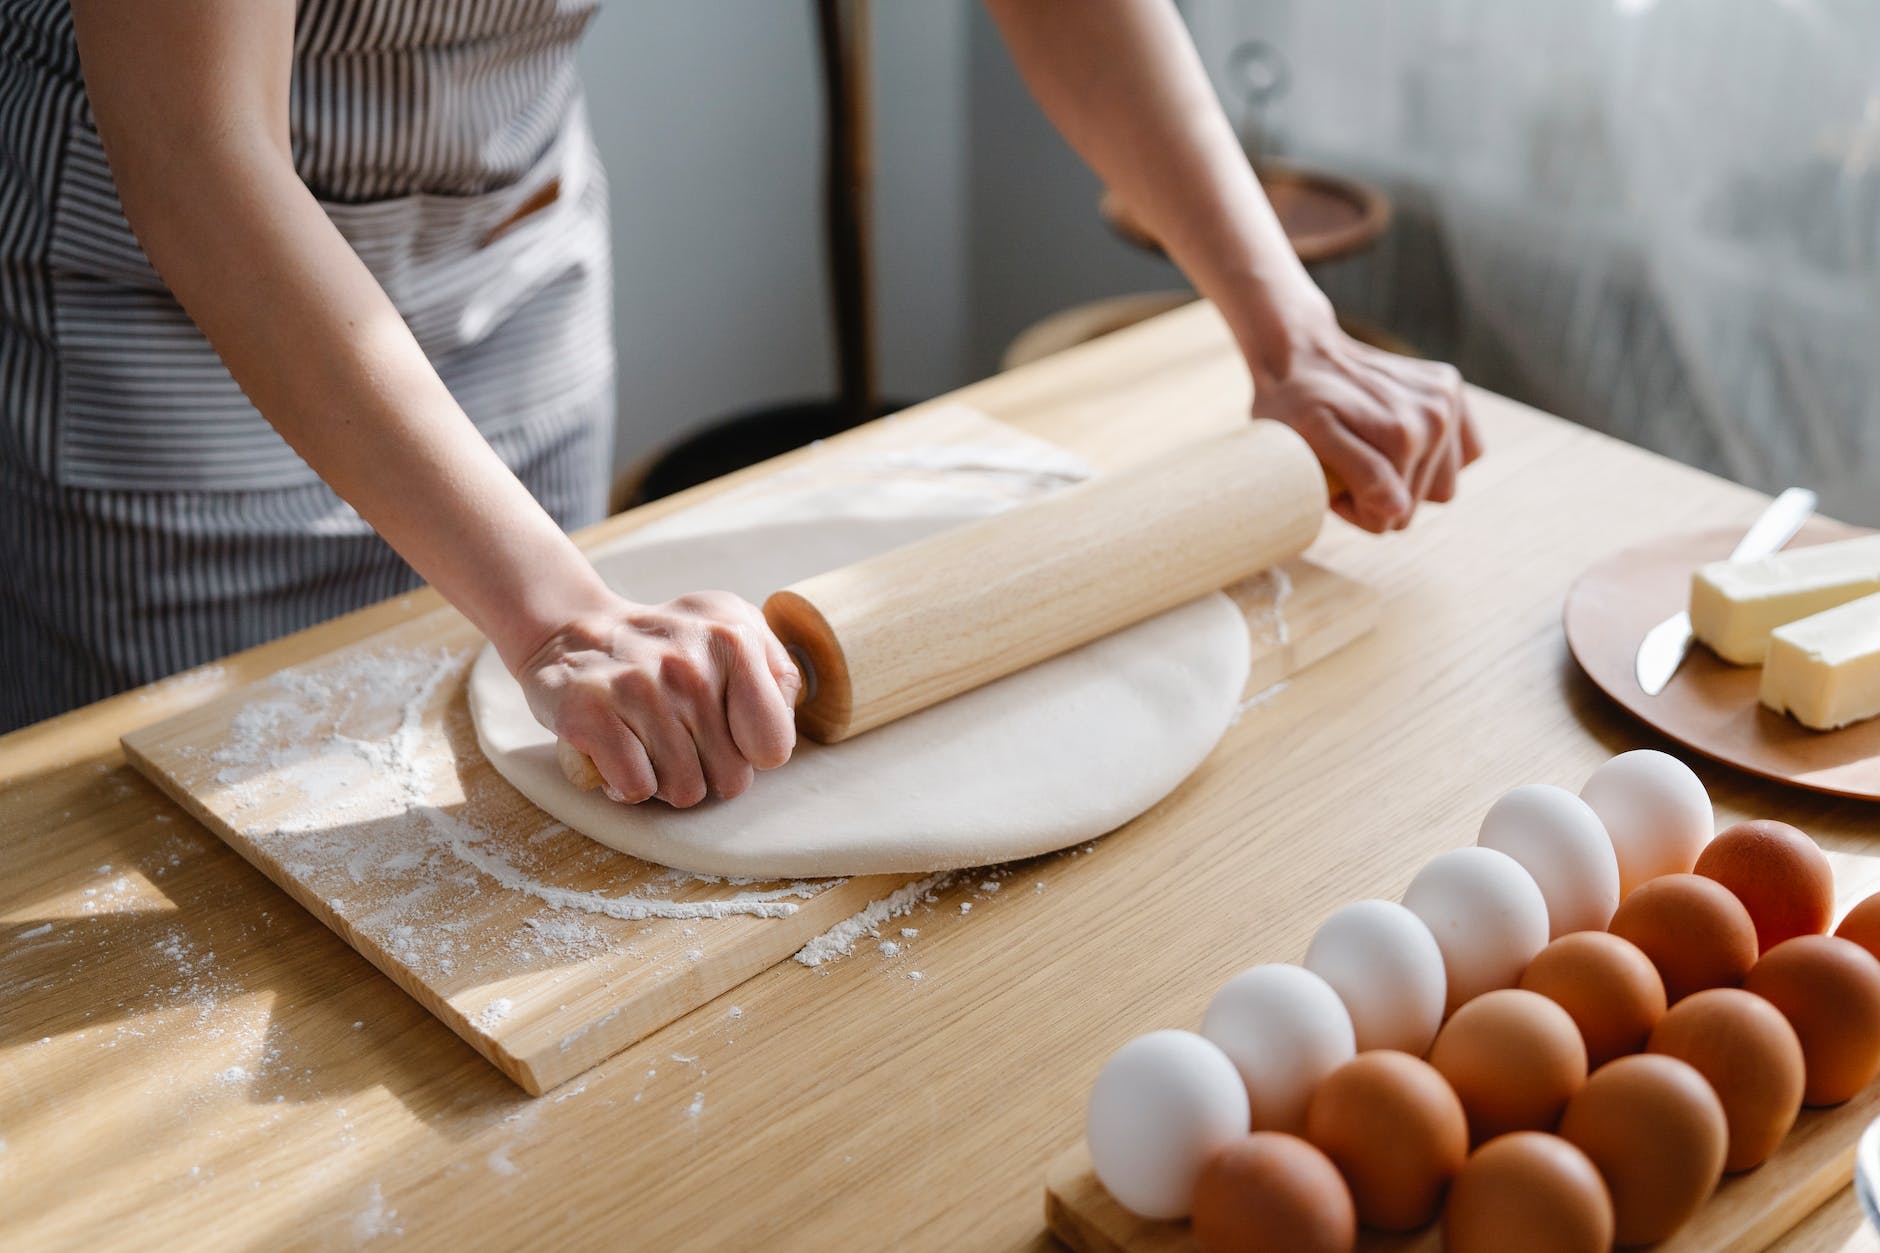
1781	876
1396	1132
1862	925
1272	1193
1528	1190
1162	1105
1656	812
1657	1133
1284	1029
1385	966
1487	915
1746	1049
1608	987
1829	990
1514	1058
1694	930
1560	841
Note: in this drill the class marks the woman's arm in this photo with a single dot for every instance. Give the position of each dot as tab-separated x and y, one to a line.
191	102
1122	81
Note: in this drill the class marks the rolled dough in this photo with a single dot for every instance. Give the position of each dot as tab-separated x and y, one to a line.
1049	757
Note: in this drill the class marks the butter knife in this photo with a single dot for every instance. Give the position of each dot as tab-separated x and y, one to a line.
1664	647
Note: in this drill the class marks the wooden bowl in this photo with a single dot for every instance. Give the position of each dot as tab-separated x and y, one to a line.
1325	216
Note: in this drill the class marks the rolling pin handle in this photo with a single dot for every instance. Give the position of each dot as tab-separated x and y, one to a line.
807	692
577	767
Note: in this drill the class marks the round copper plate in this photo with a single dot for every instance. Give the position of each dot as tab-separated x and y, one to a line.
1325	216
1710	706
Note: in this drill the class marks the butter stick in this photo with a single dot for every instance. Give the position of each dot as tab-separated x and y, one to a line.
1736	604
1825	669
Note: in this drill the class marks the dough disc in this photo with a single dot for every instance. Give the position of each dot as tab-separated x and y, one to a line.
1048	757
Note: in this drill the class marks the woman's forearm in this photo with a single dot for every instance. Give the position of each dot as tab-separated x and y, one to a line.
322	352
208	185
1123	84
1122	81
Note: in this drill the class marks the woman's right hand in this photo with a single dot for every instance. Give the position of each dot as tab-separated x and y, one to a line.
676	701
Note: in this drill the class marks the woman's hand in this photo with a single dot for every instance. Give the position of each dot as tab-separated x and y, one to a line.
676	701
1394	428
1148	122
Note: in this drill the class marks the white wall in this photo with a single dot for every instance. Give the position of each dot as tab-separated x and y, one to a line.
710	120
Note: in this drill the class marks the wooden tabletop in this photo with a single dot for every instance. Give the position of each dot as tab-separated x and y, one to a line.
186	1056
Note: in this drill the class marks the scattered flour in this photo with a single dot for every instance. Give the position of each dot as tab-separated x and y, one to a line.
493	1013
376	1219
1259	698
769	904
839	940
1267	613
385	833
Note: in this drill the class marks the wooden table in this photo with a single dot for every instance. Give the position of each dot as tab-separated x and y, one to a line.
187	1057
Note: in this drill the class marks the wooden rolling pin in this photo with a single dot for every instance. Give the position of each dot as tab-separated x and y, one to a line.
917	625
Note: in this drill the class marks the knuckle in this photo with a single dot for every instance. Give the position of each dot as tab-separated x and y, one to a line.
726	639
634	686
684	795
684	676
734	783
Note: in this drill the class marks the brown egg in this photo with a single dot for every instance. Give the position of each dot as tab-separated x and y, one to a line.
1513	1058
1528	1190
1658	1135
1608	987
1746	1049
1696	933
1829	990
1396	1131
1781	876
1274	1192
1862	925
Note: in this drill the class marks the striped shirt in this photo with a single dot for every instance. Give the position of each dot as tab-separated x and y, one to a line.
150	518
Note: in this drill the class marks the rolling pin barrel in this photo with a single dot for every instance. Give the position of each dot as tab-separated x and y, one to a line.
913	627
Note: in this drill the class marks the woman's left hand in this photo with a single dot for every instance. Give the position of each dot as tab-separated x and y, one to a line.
1395	429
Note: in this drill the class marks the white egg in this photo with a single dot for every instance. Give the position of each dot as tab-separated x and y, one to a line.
1284	1029
1656	812
1561	842
1487	914
1163	1103
1385	966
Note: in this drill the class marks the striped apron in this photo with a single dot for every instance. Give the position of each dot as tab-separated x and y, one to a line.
150	518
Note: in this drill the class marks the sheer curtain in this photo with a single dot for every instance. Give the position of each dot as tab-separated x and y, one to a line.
1660	218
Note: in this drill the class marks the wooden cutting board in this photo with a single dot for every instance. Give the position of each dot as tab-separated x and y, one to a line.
355	783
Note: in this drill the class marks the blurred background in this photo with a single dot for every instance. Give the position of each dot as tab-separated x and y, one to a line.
1659	218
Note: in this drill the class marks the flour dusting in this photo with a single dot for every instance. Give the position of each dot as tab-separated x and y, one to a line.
1258	699
1266	614
840	940
338	773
